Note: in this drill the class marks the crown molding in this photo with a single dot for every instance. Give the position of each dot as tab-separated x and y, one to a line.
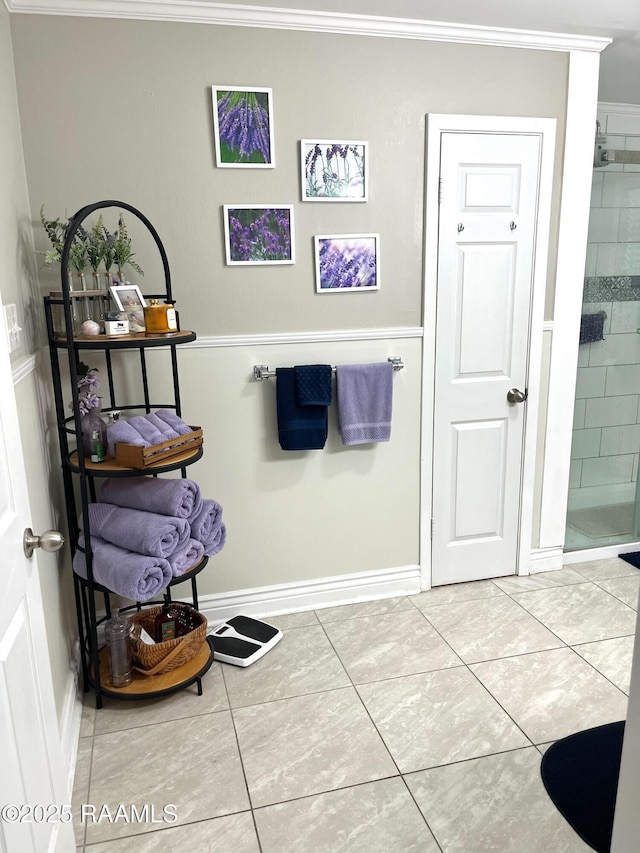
619	109
226	14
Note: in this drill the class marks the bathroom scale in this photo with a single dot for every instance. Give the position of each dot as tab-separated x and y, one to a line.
242	640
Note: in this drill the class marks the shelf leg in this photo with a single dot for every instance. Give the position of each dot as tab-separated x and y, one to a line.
199	683
81	634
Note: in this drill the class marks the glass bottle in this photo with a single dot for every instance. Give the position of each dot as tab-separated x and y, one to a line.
117	631
96	446
166	624
88	424
112	418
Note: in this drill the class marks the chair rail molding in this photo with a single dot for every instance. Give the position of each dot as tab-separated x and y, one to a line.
227	14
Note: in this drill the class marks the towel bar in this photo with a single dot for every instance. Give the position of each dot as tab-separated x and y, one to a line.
262	372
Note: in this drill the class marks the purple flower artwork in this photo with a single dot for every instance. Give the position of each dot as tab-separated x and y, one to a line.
243	127
334	171
348	262
259	235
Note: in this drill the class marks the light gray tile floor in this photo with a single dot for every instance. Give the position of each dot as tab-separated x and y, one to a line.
375	726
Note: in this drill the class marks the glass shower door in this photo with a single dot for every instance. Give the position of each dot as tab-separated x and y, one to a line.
604	498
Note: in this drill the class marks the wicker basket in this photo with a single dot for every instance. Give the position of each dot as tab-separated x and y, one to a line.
170	654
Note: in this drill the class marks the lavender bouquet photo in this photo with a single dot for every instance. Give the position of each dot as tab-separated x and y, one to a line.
258	235
347	262
334	171
243	127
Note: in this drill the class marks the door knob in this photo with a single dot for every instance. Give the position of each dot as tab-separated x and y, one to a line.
514	395
51	541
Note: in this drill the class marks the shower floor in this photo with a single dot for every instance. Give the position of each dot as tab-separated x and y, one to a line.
600	522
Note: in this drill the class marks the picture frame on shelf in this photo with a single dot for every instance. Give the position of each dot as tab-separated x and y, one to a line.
259	234
130	300
243	127
333	170
347	263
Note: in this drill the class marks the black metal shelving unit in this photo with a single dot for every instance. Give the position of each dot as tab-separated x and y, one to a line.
79	470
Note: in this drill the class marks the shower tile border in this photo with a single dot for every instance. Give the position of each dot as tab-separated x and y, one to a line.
611	288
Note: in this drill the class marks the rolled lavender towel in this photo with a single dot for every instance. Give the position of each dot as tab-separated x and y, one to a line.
147	430
216	541
134	530
161	426
206	521
122	433
187	557
179	498
135	576
174	421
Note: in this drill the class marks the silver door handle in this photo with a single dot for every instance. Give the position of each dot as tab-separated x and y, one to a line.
51	541
514	395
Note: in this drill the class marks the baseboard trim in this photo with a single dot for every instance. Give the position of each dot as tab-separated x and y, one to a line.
308	595
70	729
545	559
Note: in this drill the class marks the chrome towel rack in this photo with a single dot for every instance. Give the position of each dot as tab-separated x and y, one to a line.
262	372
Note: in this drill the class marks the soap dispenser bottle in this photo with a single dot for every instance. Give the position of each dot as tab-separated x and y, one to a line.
166	624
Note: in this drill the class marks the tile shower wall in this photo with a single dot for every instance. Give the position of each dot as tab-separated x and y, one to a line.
606	437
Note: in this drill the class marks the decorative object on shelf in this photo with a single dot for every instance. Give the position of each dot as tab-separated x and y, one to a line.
347	262
159	319
122	252
170	654
334	171
117	632
108	253
116	323
129	299
96	446
89	405
90	327
259	234
243	127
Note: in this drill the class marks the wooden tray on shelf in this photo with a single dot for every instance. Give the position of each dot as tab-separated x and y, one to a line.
130	456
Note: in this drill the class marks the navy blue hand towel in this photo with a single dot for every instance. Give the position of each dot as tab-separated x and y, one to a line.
313	385
299	427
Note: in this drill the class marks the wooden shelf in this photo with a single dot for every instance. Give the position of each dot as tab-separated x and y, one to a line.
108	468
131	341
150	686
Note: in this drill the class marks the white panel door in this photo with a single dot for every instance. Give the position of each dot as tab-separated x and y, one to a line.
32	768
487	222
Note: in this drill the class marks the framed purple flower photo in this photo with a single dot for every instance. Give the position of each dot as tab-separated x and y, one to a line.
259	235
334	171
349	262
243	127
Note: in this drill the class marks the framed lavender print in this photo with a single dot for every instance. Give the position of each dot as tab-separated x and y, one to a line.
259	235
334	171
348	262
243	127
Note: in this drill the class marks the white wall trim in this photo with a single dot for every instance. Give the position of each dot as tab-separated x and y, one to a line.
545	560
70	728
582	93
607	552
436	125
23	368
202	12
280	339
547	326
313	594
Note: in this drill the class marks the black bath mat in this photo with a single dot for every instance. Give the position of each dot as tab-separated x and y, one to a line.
632	557
580	773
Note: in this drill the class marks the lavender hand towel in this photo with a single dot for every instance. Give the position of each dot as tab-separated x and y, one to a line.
174	421
186	558
122	433
365	393
135	576
179	498
161	426
145	532
206	521
147	430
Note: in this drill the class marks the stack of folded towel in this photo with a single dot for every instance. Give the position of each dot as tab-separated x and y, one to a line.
147	430
147	530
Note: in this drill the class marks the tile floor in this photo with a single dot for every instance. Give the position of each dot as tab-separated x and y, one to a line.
409	724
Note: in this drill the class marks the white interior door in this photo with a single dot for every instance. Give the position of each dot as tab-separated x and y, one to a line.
487	224
32	772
